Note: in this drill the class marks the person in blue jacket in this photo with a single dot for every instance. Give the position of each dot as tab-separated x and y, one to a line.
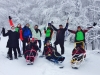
27	34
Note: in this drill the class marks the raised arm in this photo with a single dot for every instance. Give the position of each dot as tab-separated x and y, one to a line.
94	24
54	28
10	21
3	32
86	30
66	27
72	31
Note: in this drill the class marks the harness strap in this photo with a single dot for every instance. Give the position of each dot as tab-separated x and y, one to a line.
30	57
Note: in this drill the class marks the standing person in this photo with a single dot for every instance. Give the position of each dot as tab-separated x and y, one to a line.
48	32
36	33
60	36
12	43
27	34
19	30
80	35
48	35
0	34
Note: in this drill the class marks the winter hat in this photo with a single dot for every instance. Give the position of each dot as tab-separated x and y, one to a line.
49	42
31	39
60	25
79	45
12	27
79	27
49	24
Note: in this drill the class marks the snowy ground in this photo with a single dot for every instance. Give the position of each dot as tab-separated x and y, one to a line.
41	66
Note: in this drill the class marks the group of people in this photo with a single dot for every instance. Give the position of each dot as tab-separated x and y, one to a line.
30	36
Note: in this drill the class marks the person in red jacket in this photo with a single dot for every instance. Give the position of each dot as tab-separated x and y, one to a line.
19	30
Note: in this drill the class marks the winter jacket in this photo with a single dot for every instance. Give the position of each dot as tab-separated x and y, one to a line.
60	33
31	51
36	33
48	32
13	38
20	31
32	46
27	32
17	29
52	55
48	50
79	35
78	51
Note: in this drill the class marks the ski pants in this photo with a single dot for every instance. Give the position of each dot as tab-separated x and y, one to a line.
39	41
47	39
61	46
25	41
18	49
10	52
20	46
56	57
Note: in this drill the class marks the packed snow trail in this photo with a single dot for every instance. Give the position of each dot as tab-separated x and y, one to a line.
41	66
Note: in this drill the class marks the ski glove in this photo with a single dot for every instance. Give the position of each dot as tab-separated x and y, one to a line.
49	54
3	29
44	28
94	24
10	17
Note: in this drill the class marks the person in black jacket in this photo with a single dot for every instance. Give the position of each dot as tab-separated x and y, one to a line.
12	43
60	36
51	54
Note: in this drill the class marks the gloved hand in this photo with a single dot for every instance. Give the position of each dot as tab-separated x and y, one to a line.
44	28
68	19
49	54
10	17
3	29
51	22
94	24
40	51
30	36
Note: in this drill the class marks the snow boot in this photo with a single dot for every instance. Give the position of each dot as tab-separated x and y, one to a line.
19	55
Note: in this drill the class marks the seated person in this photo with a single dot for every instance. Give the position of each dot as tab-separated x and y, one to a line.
51	54
31	50
78	52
